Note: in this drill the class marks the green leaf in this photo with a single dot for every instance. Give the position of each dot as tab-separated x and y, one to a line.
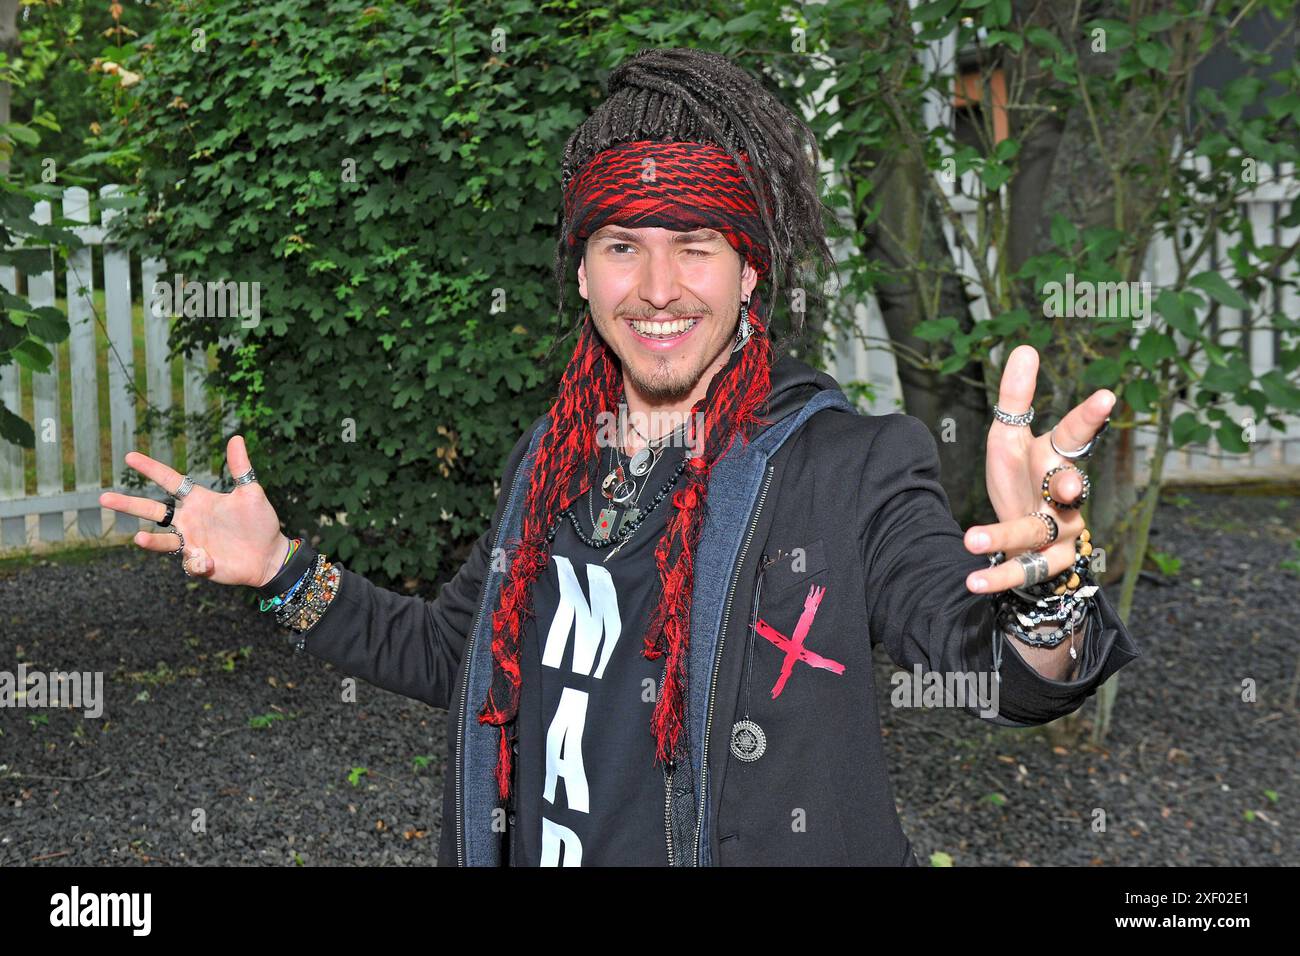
1157	22
1279	391
998	14
1218	289
1230	438
935	330
21	134
929	12
1103	373
1064	233
1154	55
15	429
1142	394
1187	428
1040	335
1008	322
1153	348
1228	377
1169	305
953	363
1013	40
31	354
49	324
1040	37
994	175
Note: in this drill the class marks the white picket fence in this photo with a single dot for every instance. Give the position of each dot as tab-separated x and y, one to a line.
1272	454
53	513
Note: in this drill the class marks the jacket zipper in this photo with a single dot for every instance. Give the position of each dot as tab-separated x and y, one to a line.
668	785
713	678
464	704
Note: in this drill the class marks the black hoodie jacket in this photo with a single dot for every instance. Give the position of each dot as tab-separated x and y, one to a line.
850	531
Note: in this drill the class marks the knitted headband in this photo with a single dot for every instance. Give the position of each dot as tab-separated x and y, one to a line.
675	185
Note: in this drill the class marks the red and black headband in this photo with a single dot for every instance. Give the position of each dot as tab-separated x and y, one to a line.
675	185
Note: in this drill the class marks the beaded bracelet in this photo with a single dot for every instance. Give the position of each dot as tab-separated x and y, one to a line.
1065	598
1008	623
301	612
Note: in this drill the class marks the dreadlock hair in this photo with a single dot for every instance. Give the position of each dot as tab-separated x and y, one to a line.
700	96
664	95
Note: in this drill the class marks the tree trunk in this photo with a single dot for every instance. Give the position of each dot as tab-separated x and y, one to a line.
9	46
957	413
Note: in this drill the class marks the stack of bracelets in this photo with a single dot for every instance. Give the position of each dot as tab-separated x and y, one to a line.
302	590
1063	599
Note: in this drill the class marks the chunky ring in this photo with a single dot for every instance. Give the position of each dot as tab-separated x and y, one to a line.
621	497
1035	566
1088	448
187	485
1007	418
1053	530
1047	494
247	478
167	518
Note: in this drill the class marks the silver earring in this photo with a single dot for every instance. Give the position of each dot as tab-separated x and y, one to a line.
744	330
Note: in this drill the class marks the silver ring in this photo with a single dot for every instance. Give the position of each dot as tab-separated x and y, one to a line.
1053	530
1035	566
620	497
1008	418
1084	452
247	478
187	485
177	531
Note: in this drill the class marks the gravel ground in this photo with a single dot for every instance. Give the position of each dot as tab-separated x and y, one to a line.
219	744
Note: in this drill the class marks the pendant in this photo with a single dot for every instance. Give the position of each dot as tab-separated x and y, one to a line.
632	514
604	524
748	742
623	492
612	481
641	462
1073	656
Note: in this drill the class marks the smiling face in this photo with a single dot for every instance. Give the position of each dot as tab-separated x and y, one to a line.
667	303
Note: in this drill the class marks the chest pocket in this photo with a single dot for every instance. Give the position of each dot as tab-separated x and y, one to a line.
788	567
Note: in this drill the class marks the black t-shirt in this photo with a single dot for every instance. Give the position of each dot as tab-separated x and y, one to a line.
588	789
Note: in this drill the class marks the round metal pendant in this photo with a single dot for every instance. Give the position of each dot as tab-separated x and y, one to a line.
641	462
748	742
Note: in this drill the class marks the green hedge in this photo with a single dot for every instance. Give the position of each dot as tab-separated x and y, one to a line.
414	301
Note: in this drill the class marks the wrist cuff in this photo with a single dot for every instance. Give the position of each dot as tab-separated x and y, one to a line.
298	565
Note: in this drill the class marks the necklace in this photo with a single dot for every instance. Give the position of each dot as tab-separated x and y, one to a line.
748	742
627	529
619	489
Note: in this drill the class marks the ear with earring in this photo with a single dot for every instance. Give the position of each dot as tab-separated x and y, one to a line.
744	330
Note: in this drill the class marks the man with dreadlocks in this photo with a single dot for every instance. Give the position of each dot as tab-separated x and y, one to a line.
759	549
